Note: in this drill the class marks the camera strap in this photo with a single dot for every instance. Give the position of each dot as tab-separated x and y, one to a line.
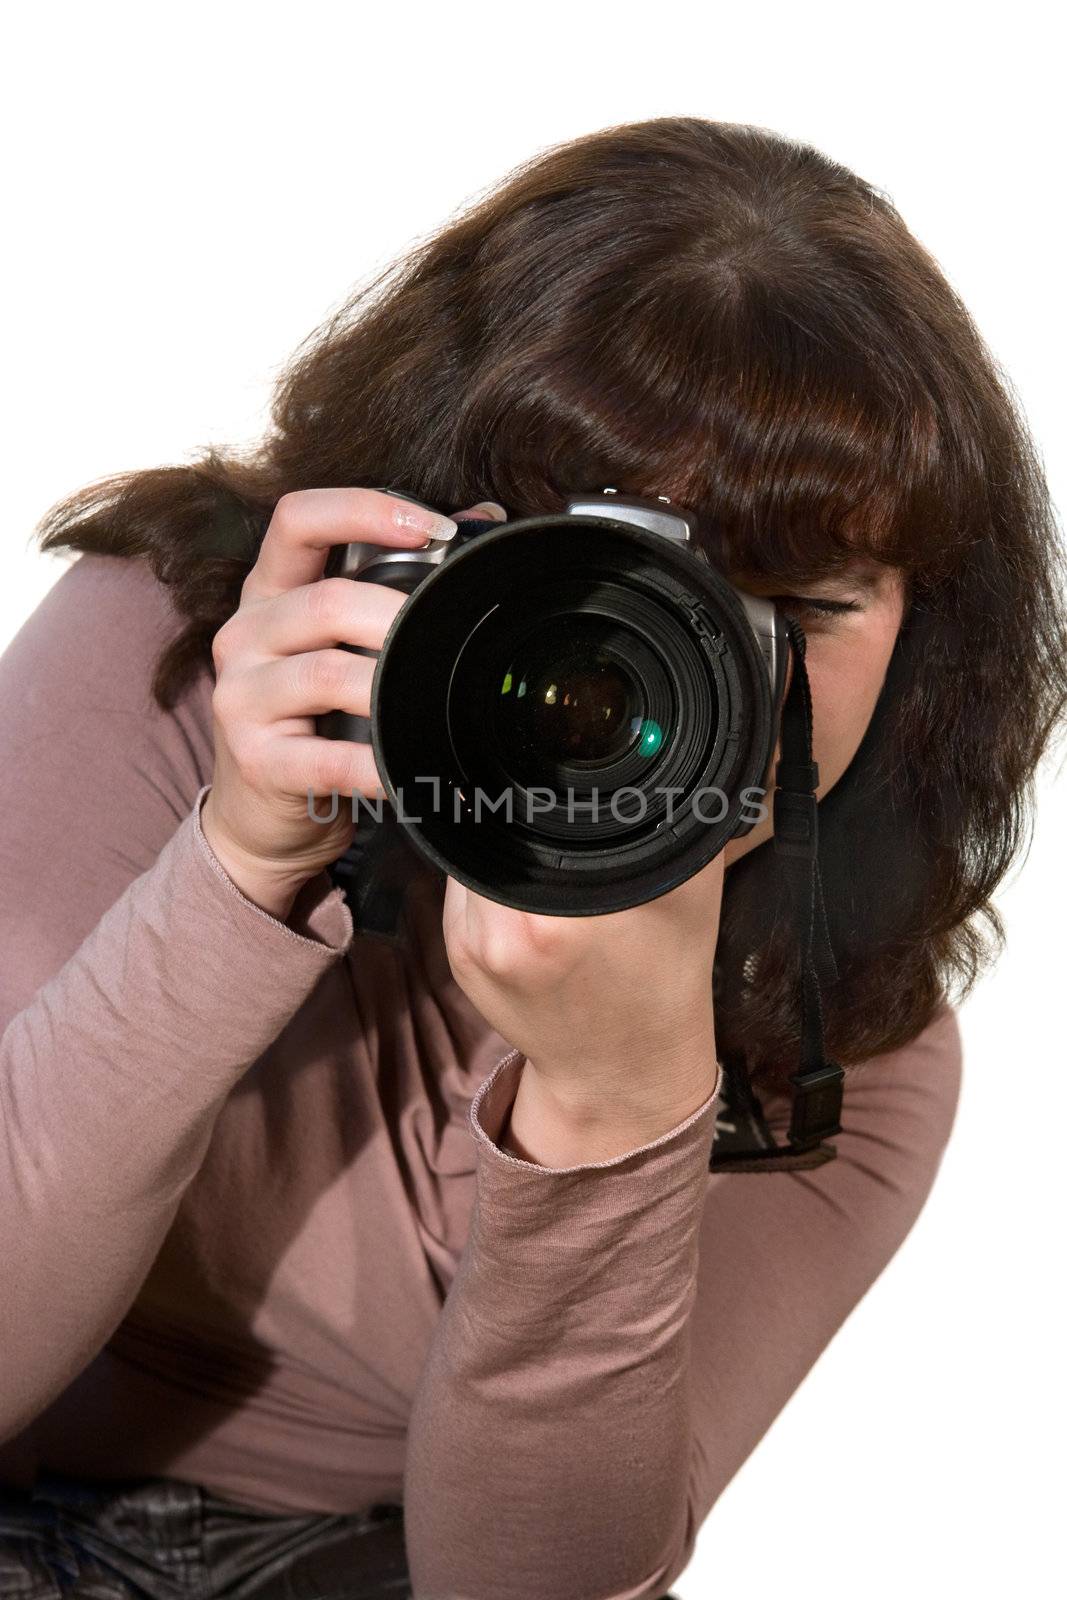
744	1142
374	874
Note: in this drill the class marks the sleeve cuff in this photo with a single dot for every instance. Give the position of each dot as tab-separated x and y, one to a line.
496	1096
545	1241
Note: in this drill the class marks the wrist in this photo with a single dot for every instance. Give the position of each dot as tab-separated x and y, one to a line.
558	1119
273	889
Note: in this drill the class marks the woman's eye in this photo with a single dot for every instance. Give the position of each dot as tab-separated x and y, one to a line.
815	606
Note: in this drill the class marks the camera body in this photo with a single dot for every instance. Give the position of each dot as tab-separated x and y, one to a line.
594	647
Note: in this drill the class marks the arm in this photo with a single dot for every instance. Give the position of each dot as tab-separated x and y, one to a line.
621	1334
138	982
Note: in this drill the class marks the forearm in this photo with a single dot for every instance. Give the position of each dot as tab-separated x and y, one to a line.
553	1411
110	1084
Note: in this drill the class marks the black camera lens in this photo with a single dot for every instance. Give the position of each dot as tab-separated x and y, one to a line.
565	698
563	688
567	713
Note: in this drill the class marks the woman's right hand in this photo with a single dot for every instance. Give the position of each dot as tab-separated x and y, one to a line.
278	666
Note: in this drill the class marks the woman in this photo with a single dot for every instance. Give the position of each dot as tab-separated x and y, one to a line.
249	1150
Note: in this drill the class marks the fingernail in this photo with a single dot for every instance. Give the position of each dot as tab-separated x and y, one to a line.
494	507
429	523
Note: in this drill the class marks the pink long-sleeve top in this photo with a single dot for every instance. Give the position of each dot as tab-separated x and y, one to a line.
255	1229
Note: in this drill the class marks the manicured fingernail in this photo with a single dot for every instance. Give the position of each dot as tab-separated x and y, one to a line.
412	519
493	507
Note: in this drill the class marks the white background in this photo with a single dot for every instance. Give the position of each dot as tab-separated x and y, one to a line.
190	190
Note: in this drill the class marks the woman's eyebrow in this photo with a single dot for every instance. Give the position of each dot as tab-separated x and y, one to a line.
865	581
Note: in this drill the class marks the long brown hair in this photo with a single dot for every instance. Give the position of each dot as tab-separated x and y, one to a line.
726	316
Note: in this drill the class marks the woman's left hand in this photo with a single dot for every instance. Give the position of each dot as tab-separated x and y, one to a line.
613	1013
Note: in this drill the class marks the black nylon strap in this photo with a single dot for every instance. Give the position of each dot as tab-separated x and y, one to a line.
374	873
818	1084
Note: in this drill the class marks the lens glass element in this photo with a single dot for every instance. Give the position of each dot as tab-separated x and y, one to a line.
567	698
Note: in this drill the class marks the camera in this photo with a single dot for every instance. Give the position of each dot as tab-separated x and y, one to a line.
571	713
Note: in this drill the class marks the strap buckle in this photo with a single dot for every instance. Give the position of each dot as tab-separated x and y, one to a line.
796	824
816	1104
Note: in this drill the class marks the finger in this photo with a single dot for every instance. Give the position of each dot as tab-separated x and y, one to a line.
307	522
490	509
303	762
315	616
305	685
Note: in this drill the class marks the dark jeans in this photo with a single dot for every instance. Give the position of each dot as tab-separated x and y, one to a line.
160	1539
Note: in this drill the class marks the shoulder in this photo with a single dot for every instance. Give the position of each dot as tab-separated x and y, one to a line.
95	776
94	640
108	607
786	1257
899	1107
919	1082
77	712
